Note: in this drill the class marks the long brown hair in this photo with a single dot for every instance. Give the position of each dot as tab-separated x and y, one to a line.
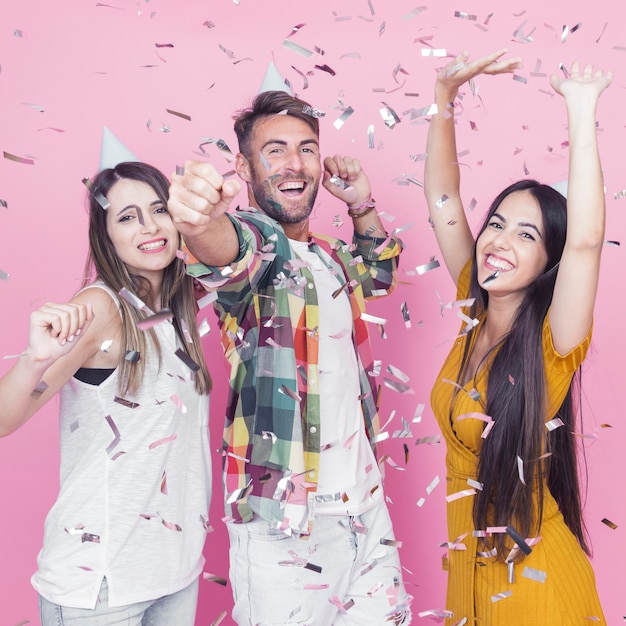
519	409
177	293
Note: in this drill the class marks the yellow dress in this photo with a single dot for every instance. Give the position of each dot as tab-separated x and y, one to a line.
479	588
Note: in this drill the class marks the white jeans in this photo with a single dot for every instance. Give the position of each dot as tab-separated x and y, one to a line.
176	609
276	579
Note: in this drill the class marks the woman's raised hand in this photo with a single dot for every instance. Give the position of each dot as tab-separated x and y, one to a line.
460	70
56	328
586	84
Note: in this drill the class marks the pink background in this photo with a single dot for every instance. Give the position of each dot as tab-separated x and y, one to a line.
89	64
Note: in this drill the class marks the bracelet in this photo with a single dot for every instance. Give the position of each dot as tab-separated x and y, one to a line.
362	209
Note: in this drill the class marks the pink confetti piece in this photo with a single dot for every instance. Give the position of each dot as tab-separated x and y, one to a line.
213	578
164	483
116	434
220	618
398	386
343	608
153	320
460	494
160	442
316	587
171	525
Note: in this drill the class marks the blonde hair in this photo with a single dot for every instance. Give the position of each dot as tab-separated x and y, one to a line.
177	292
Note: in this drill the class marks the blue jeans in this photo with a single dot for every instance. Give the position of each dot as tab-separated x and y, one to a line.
176	609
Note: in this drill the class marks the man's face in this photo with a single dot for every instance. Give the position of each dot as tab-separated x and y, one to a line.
284	169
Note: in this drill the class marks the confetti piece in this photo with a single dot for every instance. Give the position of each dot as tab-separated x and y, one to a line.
427	267
116	433
517	538
435	481
218	620
315	113
341	120
535	574
18	159
554	424
171	525
390	117
460	494
501	596
609	523
430	440
127	403
89	537
164	483
434	52
162	316
187	360
160	442
294	47
390	542
214	579
288	392
180	405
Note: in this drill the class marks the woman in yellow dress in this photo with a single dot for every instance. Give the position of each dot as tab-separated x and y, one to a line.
517	547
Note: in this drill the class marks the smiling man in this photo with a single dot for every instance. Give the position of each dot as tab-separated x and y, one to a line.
302	418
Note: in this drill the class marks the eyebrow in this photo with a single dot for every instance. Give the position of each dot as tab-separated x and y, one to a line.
522	224
282	142
136	207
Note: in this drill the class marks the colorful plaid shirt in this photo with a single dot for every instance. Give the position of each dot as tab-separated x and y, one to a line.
268	317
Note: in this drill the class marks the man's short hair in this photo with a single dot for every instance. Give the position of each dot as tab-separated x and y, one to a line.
265	104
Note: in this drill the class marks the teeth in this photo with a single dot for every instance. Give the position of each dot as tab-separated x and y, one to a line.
501	264
152	245
291	185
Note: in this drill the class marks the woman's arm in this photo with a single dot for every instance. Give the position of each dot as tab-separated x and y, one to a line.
574	297
62	338
441	173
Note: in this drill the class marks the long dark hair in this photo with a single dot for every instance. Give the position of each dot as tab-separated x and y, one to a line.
517	402
177	292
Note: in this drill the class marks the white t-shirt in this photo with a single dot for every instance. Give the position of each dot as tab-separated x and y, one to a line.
135	487
349	479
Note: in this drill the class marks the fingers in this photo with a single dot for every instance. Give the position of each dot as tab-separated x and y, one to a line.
200	194
64	322
346	168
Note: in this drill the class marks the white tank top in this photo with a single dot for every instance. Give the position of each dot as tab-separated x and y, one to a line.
135	487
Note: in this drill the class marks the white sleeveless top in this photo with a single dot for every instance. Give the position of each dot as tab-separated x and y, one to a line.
135	487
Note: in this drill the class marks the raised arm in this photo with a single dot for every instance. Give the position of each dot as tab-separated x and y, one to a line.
441	173
60	341
574	297
198	202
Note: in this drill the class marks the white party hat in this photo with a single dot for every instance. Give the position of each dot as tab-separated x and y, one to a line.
113	151
273	81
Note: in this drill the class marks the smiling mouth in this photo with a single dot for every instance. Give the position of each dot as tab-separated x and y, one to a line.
292	187
153	245
498	264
